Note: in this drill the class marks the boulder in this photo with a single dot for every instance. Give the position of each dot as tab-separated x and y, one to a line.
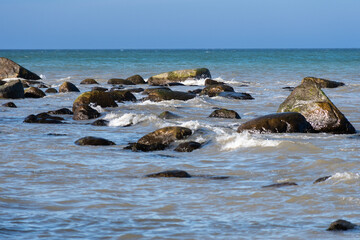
209	82
136	79
214	90
122	95
277	185
341	225
85	112
161	138
149	90
309	100
322	179
188	146
195	91
12	89
43	118
101	89
323	83
163	95
135	90
68	87
117	81
93	141
103	99
290	122
51	90
236	95
170	173
34	92
89	81
146	147
179	76
168	115
10	69
224	113
10	105
62	111
100	122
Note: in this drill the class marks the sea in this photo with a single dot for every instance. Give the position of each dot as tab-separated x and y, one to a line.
51	188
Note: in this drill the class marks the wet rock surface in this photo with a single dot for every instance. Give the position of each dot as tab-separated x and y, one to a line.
68	87
61	111
168	115
12	89
51	90
179	76
341	225
9	105
323	83
85	112
33	92
119	81
10	69
214	90
43	118
188	146
93	141
100	122
170	173
136	79
163	95
322	179
224	113
89	81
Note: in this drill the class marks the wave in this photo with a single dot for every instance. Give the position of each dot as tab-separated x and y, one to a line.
345	176
118	120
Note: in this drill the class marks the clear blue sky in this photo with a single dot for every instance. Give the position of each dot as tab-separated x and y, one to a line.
122	24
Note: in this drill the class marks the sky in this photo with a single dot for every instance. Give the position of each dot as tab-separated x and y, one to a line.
179	24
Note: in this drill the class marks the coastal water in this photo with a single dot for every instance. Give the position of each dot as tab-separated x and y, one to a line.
51	188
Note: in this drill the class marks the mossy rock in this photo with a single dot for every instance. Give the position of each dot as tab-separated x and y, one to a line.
163	95
224	113
290	122
103	99
89	81
68	87
323	83
119	81
34	92
214	90
179	76
136	79
309	100
12	89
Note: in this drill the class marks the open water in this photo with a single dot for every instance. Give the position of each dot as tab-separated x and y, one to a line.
51	188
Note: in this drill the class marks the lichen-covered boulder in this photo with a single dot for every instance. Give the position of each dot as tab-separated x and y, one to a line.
93	141
10	69
187	146
214	90
179	76
163	95
161	138
170	173
89	81
119	81
51	90
290	122
136	79
68	87
85	112
323	83
12	89
103	99
309	100
34	92
224	113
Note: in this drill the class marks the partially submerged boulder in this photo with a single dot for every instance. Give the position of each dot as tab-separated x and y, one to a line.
136	79
93	141
224	113
9	105
323	83
12	89
235	95
214	90
170	173
309	100
163	94
68	87
168	115
179	76
43	118
341	225
10	69
89	81
61	111
85	112
34	92
101	123
283	184
119	81
188	146
161	138
122	95
290	122
322	179
103	99
209	82
51	90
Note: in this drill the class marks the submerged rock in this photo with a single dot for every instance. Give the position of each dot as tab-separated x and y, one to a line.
322	83
119	81
85	112
224	113
51	90
10	69
188	146
33	92
101	89
93	141
236	95
284	184
309	100
122	95
100	122
62	111
12	89
179	76
168	115
10	105
68	87
162	95
43	118
136	79
170	173
322	179
341	225
89	81
214	90
290	122
209	82
103	99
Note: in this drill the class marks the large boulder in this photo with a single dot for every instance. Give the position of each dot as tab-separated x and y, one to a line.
136	79
103	99
34	92
290	122
309	100
323	83
164	94
161	138
68	87
224	113
214	90
10	69
179	76
12	89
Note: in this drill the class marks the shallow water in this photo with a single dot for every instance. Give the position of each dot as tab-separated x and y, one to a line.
51	188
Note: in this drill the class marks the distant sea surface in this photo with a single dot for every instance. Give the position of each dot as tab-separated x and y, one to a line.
51	188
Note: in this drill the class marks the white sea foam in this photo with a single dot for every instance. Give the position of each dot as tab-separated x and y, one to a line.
116	120
197	82
97	108
243	140
345	176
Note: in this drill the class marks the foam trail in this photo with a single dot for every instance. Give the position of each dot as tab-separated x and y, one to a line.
233	141
116	120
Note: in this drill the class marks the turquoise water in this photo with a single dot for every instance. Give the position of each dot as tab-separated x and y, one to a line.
53	189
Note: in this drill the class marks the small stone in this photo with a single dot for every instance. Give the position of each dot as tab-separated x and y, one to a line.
33	92
168	115
51	90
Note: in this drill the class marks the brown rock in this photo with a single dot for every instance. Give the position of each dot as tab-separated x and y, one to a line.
10	69
68	87
89	81
33	92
